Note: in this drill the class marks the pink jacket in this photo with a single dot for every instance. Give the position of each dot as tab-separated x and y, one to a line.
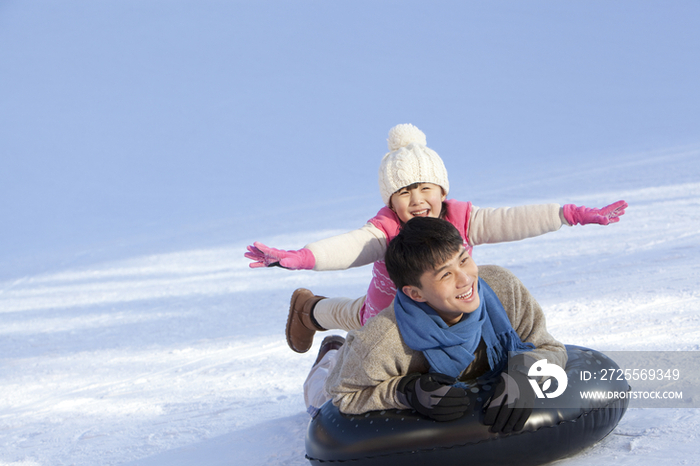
381	290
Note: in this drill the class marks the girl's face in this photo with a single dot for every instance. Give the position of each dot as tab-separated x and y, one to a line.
418	200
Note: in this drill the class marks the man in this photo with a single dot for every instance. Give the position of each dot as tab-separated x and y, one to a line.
451	323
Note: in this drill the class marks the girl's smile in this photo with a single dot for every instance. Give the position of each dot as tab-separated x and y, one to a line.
418	200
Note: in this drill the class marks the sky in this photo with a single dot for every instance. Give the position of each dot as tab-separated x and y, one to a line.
134	123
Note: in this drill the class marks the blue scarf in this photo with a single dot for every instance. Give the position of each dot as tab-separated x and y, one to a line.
450	350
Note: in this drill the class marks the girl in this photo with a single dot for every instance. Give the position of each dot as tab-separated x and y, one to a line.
413	183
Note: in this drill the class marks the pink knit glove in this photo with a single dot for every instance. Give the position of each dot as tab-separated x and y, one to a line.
585	215
263	256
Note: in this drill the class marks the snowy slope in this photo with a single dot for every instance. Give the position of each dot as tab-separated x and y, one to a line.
180	358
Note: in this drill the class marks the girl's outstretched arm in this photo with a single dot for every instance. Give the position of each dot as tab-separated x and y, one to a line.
516	223
264	256
352	249
585	215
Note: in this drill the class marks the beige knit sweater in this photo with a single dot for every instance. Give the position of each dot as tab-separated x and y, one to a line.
490	225
374	358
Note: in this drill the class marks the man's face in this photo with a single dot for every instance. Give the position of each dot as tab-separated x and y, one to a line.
451	289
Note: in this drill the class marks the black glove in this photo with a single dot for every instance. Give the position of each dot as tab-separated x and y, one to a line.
433	395
511	403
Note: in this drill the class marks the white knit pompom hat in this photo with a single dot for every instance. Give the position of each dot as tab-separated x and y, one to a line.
409	161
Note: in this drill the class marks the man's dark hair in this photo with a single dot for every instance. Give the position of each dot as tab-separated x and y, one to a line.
423	244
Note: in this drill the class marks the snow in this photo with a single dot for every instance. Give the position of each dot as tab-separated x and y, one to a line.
133	331
180	358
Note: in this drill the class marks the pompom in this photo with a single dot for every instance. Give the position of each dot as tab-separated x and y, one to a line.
403	135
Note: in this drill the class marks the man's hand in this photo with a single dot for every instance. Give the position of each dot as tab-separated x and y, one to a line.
433	395
513	399
511	404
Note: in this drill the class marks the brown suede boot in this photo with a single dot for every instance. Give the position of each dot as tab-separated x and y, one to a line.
300	326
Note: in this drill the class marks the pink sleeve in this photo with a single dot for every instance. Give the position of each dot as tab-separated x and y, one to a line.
381	291
380	294
388	222
458	214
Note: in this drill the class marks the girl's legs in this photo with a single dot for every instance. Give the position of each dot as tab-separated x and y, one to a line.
315	394
339	313
309	314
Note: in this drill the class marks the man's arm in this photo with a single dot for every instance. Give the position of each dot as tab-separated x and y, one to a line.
513	399
370	367
525	314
